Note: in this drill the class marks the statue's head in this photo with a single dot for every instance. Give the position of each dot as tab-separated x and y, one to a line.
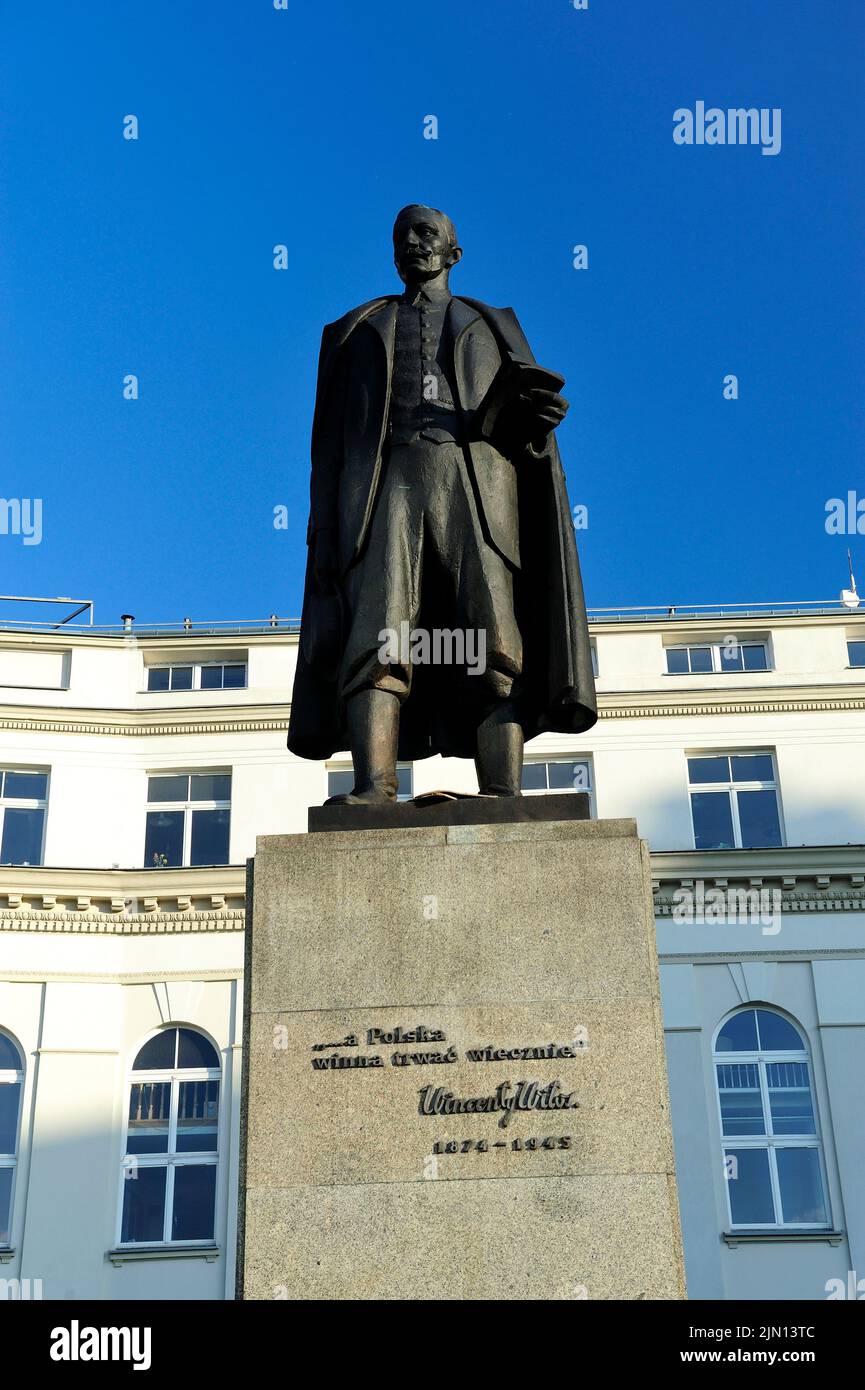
424	243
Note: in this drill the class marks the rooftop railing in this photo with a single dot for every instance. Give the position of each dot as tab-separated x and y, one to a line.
133	630
696	611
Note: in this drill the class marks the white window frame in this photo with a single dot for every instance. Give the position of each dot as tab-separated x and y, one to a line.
716	647
197	668
188	807
581	758
851	664
347	768
769	1141
29	803
170	1160
13	1077
733	787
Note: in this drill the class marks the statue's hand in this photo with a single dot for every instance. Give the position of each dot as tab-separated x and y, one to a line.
324	561
543	411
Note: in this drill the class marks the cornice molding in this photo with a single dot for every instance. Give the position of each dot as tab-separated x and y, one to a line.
808	878
758	957
688	620
122	902
757	700
143	723
273	718
153	902
801	899
822	863
135	924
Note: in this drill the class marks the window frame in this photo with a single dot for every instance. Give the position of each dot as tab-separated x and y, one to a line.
770	1141
583	758
24	803
171	1160
855	642
16	1077
732	788
188	807
716	647
197	668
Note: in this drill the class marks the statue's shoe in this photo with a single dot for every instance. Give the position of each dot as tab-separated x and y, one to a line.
372	797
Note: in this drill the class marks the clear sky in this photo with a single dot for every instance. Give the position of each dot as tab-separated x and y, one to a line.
305	126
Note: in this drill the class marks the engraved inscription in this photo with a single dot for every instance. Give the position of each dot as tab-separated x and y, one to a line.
507	1099
421	1045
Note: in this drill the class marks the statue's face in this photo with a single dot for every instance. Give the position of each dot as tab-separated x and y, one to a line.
421	248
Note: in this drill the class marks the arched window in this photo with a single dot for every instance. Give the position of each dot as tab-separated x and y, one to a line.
772	1157
11	1085
169	1167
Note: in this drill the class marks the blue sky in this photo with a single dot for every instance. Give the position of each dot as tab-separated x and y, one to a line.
305	127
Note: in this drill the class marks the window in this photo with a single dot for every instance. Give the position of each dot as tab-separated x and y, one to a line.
565	775
198	676
169	1166
856	653
226	677
23	801
170	677
734	801
727	655
192	823
772	1157
11	1085
340	781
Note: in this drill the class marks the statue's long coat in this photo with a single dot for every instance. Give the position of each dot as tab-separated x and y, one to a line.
525	512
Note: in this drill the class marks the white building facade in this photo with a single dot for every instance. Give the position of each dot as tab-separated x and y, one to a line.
137	769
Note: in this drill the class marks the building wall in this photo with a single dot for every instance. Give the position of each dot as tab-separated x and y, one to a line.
79	1023
697	996
96	951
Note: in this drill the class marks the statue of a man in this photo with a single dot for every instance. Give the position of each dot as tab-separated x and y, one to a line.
443	607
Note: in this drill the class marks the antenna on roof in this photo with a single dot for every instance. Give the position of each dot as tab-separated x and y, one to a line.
850	597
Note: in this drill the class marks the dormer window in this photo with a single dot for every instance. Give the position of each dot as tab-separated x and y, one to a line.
209	675
705	658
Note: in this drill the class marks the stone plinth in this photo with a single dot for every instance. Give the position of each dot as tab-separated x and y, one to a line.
455	1084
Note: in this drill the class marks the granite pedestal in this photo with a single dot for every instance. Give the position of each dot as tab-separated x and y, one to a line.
454	1074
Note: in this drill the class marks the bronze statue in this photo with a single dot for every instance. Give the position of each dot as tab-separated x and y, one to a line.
443	608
